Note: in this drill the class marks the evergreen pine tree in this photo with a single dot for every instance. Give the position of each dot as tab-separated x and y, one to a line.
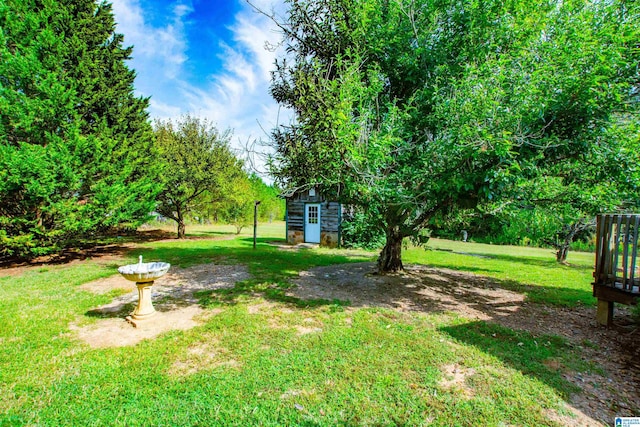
75	142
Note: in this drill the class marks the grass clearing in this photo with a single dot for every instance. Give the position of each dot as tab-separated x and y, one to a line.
275	361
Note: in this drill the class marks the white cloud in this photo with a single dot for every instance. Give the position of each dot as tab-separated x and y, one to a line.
235	96
164	48
240	68
238	96
164	111
253	34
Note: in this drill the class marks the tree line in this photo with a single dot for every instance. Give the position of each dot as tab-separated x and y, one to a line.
79	155
203	177
419	114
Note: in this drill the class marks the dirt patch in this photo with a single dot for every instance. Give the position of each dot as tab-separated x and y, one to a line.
203	356
260	308
289	247
455	378
293	393
106	285
572	416
117	332
174	297
305	330
418	288
175	289
422	289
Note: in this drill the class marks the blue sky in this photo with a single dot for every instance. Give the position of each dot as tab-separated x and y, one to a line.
206	58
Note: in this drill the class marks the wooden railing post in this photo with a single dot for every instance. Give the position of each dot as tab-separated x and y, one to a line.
614	273
604	312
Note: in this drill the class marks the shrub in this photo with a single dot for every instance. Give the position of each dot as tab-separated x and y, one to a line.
361	229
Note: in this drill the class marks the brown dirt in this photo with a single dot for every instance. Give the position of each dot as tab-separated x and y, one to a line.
117	332
173	297
205	355
455	378
422	289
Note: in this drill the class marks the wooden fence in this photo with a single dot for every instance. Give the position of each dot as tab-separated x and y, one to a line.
617	271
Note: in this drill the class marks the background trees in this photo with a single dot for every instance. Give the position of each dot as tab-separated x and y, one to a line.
420	107
559	203
198	167
75	144
237	207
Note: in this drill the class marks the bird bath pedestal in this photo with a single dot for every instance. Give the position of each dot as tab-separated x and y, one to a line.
144	274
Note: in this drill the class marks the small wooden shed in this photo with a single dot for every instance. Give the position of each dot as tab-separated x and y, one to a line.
617	270
312	219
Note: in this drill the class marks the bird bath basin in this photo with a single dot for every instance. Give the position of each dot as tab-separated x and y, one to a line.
143	274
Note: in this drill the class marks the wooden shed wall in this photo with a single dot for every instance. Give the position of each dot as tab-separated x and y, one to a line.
329	218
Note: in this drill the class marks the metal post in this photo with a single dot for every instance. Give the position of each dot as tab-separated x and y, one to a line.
255	222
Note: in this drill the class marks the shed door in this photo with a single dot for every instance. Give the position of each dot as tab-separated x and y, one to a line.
312	223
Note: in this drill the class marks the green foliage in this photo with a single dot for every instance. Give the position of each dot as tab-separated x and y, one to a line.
75	144
237	207
556	206
272	206
198	167
418	108
361	229
635	313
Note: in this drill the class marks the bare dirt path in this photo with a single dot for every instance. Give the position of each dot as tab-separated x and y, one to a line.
421	289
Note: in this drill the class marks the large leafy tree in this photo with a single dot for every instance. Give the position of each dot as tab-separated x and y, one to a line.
120	172
199	167
560	203
415	107
74	140
573	191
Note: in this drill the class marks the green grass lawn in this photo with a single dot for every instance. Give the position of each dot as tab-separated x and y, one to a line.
253	367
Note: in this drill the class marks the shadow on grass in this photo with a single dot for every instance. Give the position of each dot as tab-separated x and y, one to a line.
277	293
215	233
540	262
544	357
112	312
525	260
115	244
470	269
273	268
422	290
266	260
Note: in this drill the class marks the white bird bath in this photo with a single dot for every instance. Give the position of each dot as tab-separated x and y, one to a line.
143	274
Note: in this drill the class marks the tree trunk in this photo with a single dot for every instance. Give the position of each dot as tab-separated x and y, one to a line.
573	230
181	229
561	255
181	226
390	259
